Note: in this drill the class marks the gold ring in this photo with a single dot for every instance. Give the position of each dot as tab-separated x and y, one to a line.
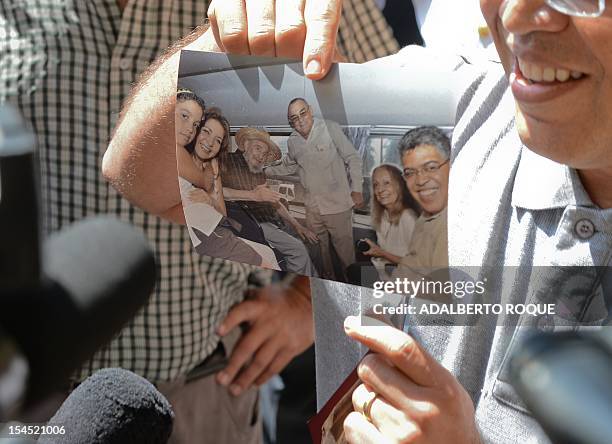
367	406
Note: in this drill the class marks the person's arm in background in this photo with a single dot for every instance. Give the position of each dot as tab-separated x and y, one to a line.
351	158
216	193
377	252
261	193
195	183
287	166
140	161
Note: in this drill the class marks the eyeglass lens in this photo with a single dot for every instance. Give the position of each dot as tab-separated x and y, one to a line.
579	8
301	115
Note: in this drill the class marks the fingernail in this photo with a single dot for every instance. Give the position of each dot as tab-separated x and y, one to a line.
221	330
223	378
313	67
349	323
235	389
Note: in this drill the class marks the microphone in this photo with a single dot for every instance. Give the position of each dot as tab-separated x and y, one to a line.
564	376
113	406
60	306
96	275
564	379
19	203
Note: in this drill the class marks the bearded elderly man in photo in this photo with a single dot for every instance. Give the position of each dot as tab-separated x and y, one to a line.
321	154
244	180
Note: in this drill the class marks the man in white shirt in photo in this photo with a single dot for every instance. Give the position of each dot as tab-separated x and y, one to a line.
321	154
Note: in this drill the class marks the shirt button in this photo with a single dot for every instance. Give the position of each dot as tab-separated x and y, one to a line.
125	64
545	323
584	229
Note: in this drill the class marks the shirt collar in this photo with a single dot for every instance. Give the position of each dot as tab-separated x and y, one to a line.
434	216
541	183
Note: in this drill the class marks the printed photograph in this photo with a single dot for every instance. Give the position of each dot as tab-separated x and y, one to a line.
334	179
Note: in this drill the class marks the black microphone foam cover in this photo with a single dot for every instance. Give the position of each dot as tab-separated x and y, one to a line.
97	274
113	406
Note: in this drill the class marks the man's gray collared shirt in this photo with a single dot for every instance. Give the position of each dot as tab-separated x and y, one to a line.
321	160
519	216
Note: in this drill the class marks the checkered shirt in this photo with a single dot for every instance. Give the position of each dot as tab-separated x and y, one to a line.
235	174
364	33
68	65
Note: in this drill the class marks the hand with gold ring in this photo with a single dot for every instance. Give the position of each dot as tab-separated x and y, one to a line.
406	396
366	402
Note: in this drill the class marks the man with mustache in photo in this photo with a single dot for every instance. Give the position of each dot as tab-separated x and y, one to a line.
324	159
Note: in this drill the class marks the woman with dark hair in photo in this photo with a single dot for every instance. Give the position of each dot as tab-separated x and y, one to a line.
188	115
211	138
394	213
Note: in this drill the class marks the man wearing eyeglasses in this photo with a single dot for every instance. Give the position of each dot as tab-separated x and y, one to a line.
530	187
321	154
425	153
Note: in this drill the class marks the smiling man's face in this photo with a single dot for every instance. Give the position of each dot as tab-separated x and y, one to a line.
300	117
429	188
560	73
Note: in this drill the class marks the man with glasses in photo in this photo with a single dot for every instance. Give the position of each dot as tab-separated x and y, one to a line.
321	154
425	153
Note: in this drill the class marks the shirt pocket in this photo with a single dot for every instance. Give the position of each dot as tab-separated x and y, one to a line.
503	390
579	304
319	171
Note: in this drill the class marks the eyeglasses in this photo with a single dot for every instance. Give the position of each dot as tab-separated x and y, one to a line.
428	168
578	8
302	115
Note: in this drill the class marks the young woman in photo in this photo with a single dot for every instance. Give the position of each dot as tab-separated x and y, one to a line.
202	152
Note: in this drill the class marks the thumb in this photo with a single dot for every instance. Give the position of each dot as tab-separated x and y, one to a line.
322	20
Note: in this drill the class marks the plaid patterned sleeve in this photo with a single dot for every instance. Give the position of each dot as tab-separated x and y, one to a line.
236	174
364	33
